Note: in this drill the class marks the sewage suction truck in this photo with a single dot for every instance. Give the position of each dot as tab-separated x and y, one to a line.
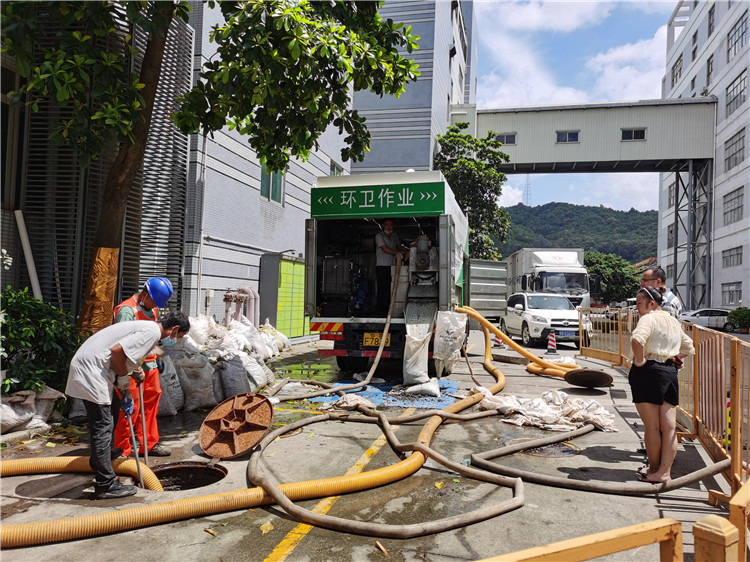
347	212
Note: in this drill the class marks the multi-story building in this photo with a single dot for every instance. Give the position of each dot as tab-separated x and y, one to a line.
708	55
404	130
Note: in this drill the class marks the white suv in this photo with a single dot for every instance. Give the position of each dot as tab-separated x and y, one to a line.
532	316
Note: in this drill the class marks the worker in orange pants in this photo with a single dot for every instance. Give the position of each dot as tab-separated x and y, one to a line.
144	306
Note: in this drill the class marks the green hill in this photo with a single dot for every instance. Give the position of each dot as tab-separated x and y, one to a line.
630	234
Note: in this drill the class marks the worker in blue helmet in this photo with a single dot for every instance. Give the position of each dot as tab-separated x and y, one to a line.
144	305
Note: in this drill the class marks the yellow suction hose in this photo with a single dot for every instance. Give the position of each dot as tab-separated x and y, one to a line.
57	465
29	534
537	365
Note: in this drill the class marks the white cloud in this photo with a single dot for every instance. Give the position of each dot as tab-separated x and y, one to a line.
630	72
510	196
536	16
519	77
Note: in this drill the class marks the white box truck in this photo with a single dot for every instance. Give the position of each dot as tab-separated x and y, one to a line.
550	270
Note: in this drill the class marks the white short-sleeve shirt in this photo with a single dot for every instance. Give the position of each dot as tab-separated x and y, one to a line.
90	376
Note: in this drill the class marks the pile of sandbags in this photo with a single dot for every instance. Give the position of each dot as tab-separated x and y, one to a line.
213	363
27	409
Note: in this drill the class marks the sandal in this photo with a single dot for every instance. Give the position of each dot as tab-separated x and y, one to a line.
642	471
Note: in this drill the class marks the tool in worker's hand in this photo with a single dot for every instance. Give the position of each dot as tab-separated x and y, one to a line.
143	425
126	405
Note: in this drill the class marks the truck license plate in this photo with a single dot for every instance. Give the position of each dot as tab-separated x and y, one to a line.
372	339
566	334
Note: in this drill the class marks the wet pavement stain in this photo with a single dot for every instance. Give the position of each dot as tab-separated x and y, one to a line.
321	372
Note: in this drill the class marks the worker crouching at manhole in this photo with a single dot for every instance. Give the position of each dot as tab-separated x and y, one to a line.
112	356
658	345
144	306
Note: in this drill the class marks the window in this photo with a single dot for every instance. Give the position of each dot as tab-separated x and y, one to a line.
731	294
733	206
506	138
709	70
734	150
271	185
336	170
676	71
671	231
695	46
669	272
737	92
737	37
672	195
633	134
692	84
711	19
731	257
567	136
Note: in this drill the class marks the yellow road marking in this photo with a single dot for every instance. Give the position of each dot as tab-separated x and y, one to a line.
292	539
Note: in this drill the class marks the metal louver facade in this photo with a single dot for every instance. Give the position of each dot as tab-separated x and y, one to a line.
61	201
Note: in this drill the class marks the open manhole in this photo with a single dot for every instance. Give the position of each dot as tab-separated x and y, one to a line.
176	476
554	450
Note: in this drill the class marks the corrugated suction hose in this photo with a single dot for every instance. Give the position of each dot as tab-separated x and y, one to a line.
28	534
56	465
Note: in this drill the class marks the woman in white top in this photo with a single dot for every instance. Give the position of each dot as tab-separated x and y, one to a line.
657	341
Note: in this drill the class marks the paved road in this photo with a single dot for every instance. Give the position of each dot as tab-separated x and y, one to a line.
433	492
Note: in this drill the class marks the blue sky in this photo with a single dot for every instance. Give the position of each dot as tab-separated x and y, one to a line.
555	52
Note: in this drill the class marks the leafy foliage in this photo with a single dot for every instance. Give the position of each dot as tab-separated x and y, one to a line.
619	279
740	317
287	69
471	167
629	234
38	341
76	70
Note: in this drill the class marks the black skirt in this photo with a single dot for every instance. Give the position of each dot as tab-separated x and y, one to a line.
654	382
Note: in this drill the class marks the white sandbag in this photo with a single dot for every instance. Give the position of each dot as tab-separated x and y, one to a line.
28	409
166	408
233	379
16	409
198	385
253	371
185	343
170	384
416	355
199	330
270	341
450	334
280	340
429	388
270	375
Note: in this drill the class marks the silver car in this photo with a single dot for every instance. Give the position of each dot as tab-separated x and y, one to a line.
715	318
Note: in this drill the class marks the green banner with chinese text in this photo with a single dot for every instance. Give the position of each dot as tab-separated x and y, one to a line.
360	201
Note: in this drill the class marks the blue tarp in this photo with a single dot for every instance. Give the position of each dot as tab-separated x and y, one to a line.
379	395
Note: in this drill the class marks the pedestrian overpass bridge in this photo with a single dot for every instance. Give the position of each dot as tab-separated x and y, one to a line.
665	135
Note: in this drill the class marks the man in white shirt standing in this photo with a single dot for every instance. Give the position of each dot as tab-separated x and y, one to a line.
108	358
657	278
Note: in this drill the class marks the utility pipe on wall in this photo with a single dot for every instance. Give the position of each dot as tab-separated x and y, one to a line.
28	255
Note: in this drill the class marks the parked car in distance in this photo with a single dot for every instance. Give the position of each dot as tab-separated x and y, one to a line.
532	316
715	318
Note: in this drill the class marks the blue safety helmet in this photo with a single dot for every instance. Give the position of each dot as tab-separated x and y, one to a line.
160	290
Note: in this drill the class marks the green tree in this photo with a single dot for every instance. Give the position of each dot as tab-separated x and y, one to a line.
619	279
284	70
472	168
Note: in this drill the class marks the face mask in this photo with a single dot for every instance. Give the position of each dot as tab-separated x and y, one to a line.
142	304
168	341
388	231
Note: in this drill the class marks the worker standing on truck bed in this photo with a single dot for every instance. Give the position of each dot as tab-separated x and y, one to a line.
387	247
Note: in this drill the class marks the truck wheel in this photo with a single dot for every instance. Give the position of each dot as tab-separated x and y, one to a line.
526	338
352	364
728	327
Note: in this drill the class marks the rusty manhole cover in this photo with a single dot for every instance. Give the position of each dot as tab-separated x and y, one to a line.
555	450
590	378
236	425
